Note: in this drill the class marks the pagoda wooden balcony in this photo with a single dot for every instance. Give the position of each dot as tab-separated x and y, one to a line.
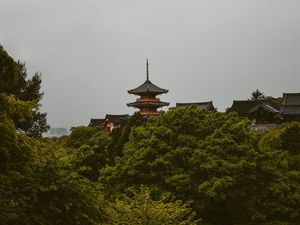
148	100
149	113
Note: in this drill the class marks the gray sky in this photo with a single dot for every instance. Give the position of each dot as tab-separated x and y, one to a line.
90	52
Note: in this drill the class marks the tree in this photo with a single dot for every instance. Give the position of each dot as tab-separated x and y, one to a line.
121	136
38	183
46	190
14	81
211	160
280	168
12	149
142	209
257	95
182	152
81	136
93	156
260	96
97	148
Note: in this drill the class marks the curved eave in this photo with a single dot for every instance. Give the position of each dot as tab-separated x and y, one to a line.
146	92
147	87
147	104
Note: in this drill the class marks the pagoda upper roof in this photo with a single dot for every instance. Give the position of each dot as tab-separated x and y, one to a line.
147	87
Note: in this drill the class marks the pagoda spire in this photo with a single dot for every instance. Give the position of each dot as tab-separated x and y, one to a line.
148	103
147	70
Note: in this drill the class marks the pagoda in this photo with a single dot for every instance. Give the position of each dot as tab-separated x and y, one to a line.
147	102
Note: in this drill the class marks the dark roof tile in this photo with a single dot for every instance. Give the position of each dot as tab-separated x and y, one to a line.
244	107
266	106
208	106
149	103
147	87
117	119
291	104
96	122
291	98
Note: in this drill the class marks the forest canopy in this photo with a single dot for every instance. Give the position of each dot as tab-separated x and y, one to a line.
184	167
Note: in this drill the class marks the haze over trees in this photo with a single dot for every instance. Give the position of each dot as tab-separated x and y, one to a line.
185	167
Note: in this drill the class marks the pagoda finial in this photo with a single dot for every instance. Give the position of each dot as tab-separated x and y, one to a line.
147	69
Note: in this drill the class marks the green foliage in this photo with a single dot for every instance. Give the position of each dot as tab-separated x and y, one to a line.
13	149
281	174
81	136
182	152
97	148
211	160
48	191
142	209
92	148
38	183
121	136
14	81
274	101
94	155
257	95
194	164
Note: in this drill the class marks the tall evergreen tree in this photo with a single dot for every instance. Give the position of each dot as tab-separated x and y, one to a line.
14	81
257	95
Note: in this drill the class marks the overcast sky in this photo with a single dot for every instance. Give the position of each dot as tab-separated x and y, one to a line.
90	52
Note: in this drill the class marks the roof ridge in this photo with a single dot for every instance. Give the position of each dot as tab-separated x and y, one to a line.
291	93
193	103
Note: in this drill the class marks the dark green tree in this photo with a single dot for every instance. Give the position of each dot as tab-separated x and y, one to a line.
38	183
121	136
260	96
142	209
81	135
279	188
94	155
14	81
211	160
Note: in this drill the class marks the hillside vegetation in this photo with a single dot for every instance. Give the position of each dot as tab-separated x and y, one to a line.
185	167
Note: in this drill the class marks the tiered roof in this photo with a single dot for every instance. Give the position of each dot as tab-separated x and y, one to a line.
147	104
147	87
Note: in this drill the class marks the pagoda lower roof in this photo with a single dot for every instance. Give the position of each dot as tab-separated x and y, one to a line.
155	104
147	87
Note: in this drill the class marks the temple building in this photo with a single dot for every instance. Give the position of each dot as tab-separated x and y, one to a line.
291	106
257	111
96	122
207	106
113	121
110	122
148	103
